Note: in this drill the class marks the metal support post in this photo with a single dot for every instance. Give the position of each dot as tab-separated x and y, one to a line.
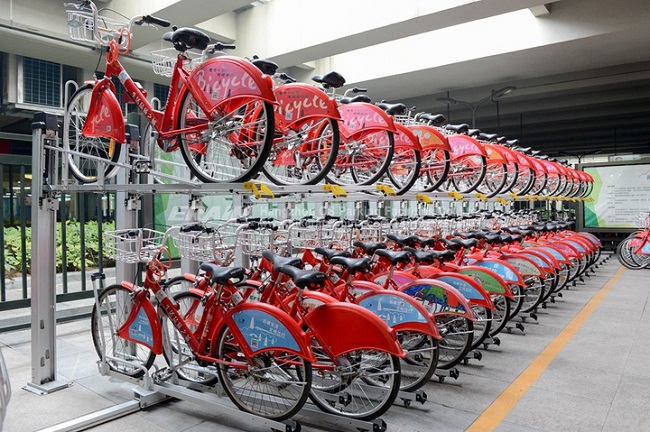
43	274
192	215
126	216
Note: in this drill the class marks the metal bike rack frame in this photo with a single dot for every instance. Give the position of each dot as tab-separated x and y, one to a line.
48	182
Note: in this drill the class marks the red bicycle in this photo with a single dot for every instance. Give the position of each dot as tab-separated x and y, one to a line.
219	112
259	354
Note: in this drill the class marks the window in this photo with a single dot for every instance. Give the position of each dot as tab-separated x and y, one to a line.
41	82
160	92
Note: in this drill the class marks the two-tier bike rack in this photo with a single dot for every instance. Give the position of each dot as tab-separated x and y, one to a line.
50	179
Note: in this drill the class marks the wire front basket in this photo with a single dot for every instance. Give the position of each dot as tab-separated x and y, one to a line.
209	244
81	27
163	61
254	241
133	245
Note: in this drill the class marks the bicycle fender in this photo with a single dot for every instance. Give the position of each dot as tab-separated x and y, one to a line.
567	249
439	298
463	145
430	137
548	256
142	326
400	311
224	78
105	118
469	287
494	154
358	118
297	101
524	265
406	139
489	280
260	327
345	327
542	261
559	256
507	272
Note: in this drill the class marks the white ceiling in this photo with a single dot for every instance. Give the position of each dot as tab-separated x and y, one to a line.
582	71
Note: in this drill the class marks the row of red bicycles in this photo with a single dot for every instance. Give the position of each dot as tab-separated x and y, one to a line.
352	315
233	119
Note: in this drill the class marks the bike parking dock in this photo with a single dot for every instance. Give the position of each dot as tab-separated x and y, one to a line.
151	390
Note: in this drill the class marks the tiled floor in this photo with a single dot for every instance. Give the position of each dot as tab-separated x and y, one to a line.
599	381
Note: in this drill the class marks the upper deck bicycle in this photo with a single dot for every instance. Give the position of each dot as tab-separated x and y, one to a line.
218	113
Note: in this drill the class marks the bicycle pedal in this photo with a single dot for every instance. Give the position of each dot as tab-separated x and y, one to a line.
162	375
345	399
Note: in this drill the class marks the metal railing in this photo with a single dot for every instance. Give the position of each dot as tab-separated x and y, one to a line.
82	217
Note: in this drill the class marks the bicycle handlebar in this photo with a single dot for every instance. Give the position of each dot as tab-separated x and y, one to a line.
150	19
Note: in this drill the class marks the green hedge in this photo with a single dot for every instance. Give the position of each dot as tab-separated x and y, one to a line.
13	247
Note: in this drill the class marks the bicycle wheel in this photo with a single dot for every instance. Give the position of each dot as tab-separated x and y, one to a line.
511	178
361	384
519	294
86	156
534	293
167	166
525	180
539	184
562	277
121	355
433	171
494	181
466	173
233	145
500	314
625	253
364	160
304	156
272	384
404	169
482	325
421	361
175	349
457	337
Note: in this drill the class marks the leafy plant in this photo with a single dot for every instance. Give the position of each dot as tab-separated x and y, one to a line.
72	250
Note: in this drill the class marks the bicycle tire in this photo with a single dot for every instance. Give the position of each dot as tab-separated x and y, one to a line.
482	325
86	170
533	294
271	384
362	384
404	169
539	184
356	164
125	357
437	169
175	349
312	149
494	181
466	173
512	174
525	181
421	360
167	167
457	338
238	140
518	302
624	253
500	314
